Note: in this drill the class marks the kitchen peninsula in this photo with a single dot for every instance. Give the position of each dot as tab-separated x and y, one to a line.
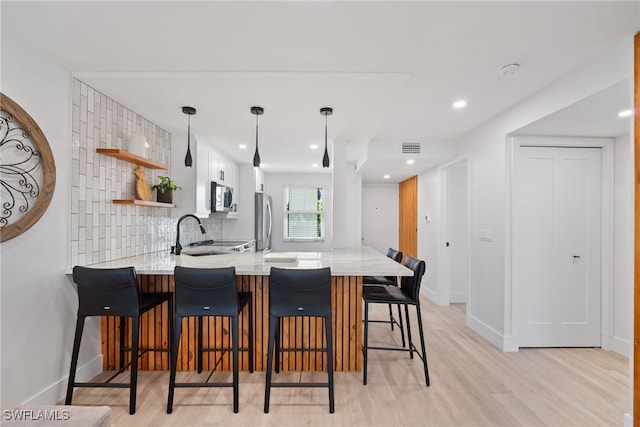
155	274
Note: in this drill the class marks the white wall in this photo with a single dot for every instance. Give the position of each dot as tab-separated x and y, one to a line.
622	330
38	301
428	232
380	217
490	288
242	227
346	200
275	186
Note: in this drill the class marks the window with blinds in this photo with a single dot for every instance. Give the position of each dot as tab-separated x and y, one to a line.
304	217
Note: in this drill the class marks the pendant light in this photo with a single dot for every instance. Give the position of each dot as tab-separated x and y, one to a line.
189	111
325	111
257	111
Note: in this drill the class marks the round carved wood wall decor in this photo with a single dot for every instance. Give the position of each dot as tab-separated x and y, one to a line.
27	170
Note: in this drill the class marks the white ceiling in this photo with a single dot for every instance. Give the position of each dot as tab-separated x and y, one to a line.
594	116
390	70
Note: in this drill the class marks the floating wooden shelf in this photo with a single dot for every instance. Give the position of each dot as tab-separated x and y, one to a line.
130	157
143	203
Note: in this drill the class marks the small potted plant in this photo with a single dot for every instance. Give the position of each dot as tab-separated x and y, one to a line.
164	190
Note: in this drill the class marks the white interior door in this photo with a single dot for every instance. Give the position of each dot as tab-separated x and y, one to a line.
557	246
456	250
380	217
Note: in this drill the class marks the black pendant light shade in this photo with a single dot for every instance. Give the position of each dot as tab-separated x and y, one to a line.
189	111
325	111
257	111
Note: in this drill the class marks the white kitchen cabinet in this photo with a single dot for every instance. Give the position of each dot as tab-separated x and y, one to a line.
212	166
203	180
233	181
219	169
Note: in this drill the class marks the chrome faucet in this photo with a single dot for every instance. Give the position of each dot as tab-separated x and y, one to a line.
178	245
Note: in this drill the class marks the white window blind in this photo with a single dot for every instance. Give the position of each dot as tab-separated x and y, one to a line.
304	217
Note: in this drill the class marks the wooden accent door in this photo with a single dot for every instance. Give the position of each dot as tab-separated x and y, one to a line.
408	216
636	307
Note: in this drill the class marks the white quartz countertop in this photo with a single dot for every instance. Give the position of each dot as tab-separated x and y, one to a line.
362	261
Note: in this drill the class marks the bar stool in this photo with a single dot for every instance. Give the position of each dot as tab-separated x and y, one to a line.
307	293
203	292
407	294
114	292
388	281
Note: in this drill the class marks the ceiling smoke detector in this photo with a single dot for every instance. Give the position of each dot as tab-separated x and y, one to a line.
509	69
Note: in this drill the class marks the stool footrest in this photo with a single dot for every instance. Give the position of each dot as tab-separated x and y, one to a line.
299	384
197	385
390	348
106	385
385	321
412	348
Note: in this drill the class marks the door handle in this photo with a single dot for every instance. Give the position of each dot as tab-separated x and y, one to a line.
576	256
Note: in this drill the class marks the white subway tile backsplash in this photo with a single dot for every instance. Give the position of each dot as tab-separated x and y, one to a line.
90	100
102	231
83	108
75	119
74	228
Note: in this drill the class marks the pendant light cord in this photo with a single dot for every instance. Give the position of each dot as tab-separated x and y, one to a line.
325	132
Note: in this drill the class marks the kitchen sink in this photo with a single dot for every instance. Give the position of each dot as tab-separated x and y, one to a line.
202	243
205	253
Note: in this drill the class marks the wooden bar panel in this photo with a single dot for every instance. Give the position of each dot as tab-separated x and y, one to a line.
408	216
346	324
636	307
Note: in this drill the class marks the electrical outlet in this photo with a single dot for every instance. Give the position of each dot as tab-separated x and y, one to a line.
486	235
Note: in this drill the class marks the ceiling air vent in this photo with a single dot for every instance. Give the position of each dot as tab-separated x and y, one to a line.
410	148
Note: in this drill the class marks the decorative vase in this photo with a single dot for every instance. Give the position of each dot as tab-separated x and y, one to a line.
166	197
138	144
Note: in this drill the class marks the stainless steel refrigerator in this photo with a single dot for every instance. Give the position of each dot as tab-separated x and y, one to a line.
263	222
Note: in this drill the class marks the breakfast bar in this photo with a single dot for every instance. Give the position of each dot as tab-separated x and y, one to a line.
155	274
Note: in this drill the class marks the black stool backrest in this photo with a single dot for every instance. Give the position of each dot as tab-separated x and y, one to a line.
107	291
394	255
305	292
411	284
397	257
206	291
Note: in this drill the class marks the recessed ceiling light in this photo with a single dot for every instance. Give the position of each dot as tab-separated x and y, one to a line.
386	176
625	113
459	104
242	146
410	161
315	165
314	146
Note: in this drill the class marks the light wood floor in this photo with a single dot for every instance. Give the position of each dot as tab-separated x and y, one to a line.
472	384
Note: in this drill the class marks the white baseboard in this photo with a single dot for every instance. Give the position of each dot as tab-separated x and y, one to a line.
485	331
54	393
458	297
628	420
620	346
510	343
433	296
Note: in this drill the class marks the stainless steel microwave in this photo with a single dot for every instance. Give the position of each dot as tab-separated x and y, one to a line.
221	197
